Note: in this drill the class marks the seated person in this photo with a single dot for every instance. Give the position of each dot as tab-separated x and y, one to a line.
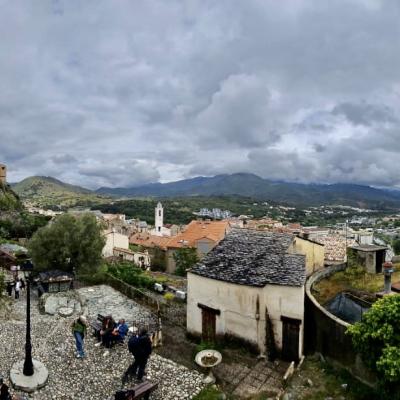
120	331
106	331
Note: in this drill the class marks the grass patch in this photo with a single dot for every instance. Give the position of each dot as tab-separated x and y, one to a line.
210	393
350	279
327	383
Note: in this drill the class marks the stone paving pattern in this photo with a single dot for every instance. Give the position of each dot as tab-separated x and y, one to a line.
96	377
245	382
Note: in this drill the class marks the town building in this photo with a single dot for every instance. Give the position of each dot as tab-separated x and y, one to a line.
215	213
250	287
140	258
3	174
156	246
11	254
335	246
315	232
371	257
200	235
314	252
54	281
114	239
364	237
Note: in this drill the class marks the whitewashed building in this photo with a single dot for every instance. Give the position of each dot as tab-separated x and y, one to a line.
114	239
250	287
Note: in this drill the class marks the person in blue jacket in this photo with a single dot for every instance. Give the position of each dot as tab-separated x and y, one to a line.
120	331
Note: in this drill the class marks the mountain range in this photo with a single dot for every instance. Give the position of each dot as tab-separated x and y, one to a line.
48	192
239	184
250	185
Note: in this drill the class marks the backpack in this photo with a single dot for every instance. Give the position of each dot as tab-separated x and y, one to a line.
133	344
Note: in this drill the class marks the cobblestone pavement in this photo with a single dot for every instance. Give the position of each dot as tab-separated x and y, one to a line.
105	300
244	382
96	377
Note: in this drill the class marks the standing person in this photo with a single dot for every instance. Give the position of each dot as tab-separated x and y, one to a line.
22	284
9	288
79	331
17	288
4	392
141	349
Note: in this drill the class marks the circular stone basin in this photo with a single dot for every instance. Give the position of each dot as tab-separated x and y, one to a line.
208	358
29	383
65	311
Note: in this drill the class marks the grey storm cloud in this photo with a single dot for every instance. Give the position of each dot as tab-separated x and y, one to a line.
124	93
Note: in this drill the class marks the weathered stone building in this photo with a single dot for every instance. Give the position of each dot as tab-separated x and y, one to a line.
370	256
251	287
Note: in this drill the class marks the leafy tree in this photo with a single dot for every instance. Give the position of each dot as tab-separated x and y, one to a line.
68	243
377	339
396	246
185	258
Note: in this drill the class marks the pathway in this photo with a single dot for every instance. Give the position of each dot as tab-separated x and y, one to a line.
96	377
244	382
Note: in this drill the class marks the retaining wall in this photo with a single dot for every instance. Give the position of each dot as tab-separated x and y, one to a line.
326	334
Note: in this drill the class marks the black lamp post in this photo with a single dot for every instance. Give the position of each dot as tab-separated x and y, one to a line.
27	268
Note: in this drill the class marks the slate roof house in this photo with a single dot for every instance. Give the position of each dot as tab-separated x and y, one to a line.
251	287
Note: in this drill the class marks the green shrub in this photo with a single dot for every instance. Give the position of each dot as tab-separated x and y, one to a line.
377	339
131	274
169	296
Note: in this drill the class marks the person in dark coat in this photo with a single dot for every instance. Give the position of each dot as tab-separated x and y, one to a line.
9	288
141	349
4	392
106	331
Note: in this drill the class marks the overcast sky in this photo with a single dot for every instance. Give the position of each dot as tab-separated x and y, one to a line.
120	93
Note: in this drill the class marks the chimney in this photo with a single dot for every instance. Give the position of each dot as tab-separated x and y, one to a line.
387	272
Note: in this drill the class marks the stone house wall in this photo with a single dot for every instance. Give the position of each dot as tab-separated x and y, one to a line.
243	309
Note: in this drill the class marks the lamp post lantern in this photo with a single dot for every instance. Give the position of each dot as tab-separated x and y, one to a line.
30	374
27	268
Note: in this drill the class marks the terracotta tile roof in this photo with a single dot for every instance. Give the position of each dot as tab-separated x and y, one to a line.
335	246
213	230
147	240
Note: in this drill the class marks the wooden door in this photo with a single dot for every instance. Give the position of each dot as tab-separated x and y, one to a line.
208	325
290	338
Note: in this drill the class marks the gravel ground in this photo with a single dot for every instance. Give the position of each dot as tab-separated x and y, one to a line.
97	376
